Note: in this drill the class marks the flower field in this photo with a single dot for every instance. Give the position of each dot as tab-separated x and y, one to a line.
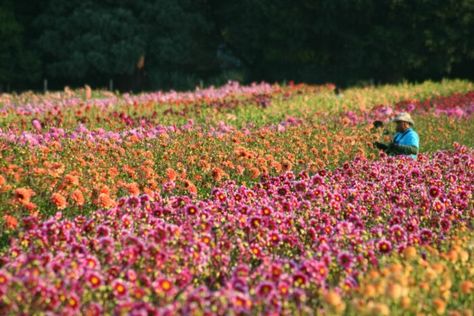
260	199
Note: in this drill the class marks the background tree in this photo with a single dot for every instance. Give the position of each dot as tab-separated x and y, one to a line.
162	44
90	41
19	66
181	42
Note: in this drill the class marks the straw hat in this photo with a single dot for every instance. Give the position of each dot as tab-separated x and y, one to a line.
404	117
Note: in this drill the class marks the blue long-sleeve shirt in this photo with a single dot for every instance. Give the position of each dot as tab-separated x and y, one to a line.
407	138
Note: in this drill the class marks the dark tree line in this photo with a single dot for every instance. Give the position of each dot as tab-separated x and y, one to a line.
159	44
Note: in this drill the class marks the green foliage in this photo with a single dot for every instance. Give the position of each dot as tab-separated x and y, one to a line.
87	39
16	63
349	41
182	43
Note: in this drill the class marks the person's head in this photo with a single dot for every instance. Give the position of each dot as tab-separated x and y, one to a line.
403	122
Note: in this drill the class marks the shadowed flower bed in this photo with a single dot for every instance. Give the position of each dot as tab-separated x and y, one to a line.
292	243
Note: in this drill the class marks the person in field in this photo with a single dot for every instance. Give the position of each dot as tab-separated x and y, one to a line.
406	141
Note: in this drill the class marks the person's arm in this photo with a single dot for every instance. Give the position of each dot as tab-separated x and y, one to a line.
402	149
380	146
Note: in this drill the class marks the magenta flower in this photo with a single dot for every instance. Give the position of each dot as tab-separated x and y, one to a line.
255	222
438	206
345	259
397	232
282	191
191	210
426	235
36	125
264	289
434	192
445	224
384	246
185	255
300	186
299	279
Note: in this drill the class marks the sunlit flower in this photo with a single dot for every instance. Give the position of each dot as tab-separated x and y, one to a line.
466	287
71	179
23	195
92	263
59	200
217	174
410	252
10	221
105	201
78	197
171	174
241	302
256	250
334	299
132	188
438	206
439	305
254	172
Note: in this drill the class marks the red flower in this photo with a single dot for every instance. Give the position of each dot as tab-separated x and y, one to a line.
119	288
4	278
266	211
164	285
274	238
256	251
255	222
73	301
94	280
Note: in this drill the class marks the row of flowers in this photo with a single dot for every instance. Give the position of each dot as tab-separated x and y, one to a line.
229	95
270	248
457	105
80	175
431	280
41	137
454	105
232	104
